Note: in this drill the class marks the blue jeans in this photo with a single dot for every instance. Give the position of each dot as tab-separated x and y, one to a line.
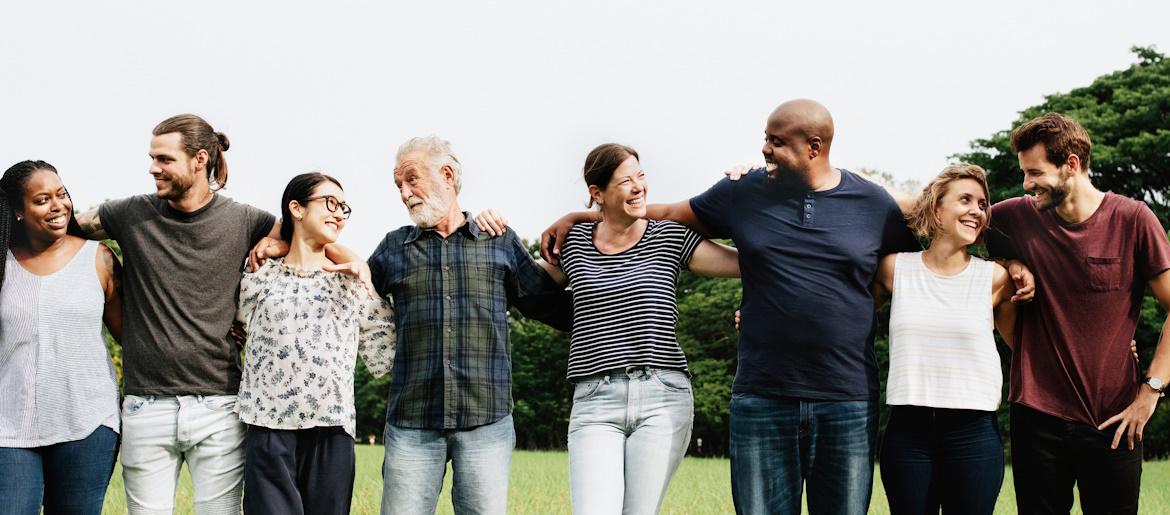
628	433
69	478
948	458
416	461
778	444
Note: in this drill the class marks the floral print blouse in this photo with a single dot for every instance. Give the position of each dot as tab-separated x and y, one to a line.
305	329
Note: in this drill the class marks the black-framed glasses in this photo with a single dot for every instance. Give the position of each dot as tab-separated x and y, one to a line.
332	204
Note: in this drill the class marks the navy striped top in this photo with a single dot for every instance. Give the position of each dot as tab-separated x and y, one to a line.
624	306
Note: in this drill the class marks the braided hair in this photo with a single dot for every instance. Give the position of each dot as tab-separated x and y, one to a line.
11	196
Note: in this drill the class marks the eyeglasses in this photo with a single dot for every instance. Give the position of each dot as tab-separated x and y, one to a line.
332	204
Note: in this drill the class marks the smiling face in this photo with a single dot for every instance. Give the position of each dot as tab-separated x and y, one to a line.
625	195
313	221
1049	183
426	193
175	173
962	212
45	207
783	147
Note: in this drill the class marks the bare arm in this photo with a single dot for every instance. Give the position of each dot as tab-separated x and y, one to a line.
1002	289
1132	422
91	225
553	271
882	287
715	260
551	238
110	275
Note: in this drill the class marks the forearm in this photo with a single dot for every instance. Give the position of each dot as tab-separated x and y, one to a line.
91	225
1160	366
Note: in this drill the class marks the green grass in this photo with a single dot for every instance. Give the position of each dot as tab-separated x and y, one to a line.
540	485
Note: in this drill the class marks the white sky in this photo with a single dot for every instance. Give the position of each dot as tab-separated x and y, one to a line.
524	89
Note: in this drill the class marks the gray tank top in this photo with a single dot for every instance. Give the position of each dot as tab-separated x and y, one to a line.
55	373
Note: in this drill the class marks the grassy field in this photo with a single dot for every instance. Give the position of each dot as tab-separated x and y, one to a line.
540	485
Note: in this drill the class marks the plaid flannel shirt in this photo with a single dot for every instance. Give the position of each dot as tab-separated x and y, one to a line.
453	367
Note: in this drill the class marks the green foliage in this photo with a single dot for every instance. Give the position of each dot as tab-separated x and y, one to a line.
1127	114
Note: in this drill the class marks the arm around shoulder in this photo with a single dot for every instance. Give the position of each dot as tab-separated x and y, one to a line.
91	225
715	260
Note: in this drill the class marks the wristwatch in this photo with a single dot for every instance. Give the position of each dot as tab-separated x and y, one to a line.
1157	385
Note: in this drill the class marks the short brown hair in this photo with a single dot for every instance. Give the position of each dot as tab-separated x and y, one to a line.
196	134
921	217
601	163
1062	136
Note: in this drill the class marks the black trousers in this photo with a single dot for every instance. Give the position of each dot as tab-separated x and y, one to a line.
936	458
1050	455
298	472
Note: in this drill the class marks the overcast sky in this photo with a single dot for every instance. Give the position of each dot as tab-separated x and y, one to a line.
524	89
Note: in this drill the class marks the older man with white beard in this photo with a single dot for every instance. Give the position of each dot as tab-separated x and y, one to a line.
451	391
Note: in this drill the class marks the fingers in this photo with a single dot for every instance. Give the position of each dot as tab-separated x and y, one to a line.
1117	434
546	246
491	222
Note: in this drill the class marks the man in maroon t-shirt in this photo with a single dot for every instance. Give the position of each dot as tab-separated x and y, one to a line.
1079	403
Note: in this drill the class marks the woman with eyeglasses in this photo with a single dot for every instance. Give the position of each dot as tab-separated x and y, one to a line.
58	395
305	323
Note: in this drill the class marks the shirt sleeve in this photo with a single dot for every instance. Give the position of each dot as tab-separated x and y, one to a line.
378	270
251	286
260	223
376	336
112	213
999	242
1152	251
690	242
896	235
715	207
533	292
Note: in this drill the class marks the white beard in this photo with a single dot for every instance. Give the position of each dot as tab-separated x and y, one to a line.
428	212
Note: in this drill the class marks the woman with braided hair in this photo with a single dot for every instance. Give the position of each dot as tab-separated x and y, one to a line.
59	411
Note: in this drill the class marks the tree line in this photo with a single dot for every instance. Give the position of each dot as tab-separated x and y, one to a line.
1127	114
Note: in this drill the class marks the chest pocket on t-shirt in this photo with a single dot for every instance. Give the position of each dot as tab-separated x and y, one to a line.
1104	273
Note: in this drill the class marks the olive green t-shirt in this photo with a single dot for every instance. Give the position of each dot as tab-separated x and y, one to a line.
179	286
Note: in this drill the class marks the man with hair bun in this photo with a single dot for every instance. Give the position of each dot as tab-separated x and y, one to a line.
1079	403
183	249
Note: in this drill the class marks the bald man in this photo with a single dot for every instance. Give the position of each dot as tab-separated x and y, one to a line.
804	406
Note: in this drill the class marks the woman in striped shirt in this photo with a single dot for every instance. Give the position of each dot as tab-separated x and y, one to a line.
632	405
942	446
59	406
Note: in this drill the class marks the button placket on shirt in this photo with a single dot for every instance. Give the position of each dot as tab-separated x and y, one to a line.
448	333
809	209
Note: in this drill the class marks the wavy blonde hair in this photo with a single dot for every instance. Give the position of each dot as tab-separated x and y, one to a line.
922	219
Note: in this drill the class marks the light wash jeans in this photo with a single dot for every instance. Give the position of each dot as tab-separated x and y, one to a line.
160	433
416	461
628	432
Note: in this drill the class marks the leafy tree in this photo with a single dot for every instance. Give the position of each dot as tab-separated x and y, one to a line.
1127	114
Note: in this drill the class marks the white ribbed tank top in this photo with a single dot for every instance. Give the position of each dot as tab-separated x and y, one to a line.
57	383
942	349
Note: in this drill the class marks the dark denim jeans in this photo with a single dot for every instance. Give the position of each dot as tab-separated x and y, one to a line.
778	444
69	478
948	458
1050	454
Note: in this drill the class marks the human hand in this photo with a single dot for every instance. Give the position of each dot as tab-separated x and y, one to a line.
1024	281
1132	421
359	269
266	248
737	317
491	222
236	333
739	171
551	238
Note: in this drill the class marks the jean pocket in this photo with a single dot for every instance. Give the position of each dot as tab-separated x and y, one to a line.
132	404
584	390
672	380
1104	273
223	403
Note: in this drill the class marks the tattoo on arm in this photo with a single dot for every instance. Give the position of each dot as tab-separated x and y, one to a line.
91	225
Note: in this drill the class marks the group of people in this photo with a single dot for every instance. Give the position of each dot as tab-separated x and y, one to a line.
819	249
